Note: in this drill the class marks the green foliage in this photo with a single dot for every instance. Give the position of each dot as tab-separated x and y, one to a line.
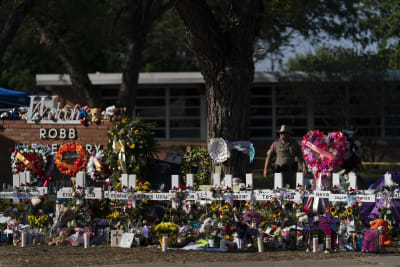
166	48
338	60
131	148
315	20
196	158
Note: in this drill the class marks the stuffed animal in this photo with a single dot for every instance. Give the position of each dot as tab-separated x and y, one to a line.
108	113
61	239
83	115
95	114
301	217
370	237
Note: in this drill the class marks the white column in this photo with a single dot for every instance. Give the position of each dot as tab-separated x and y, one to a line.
249	180
22	178
278	180
228	181
28	177
189	180
299	179
336	180
388	179
124	180
352	180
217	179
15	180
132	181
81	179
174	181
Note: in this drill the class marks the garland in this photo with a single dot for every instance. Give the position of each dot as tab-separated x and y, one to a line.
80	162
196	157
36	159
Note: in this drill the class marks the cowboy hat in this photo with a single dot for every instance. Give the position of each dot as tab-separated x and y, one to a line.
285	129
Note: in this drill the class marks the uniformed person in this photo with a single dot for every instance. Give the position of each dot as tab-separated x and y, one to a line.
287	153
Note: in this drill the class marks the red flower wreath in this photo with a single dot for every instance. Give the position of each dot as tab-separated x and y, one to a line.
80	162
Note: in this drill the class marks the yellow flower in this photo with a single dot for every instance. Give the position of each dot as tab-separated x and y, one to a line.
132	146
349	211
137	131
333	210
124	120
214	206
118	161
111	133
118	186
227	237
340	215
390	227
144	201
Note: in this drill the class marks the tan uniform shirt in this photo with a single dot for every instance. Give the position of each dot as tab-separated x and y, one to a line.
286	152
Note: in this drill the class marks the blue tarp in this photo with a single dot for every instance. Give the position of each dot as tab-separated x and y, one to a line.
13	99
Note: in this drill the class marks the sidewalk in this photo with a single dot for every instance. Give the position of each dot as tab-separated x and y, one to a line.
380	260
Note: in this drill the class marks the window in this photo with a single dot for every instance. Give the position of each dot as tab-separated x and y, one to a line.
176	111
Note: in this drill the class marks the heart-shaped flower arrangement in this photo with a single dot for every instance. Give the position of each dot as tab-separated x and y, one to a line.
323	153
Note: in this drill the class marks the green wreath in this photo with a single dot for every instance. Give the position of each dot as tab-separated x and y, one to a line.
196	157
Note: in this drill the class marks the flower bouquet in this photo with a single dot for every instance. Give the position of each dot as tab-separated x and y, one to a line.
166	228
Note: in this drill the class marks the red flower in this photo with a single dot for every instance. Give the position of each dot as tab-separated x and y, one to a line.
181	186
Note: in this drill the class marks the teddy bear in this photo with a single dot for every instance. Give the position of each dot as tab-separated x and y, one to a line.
95	115
61	239
370	237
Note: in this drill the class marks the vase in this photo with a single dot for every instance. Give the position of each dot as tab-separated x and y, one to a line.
169	241
211	243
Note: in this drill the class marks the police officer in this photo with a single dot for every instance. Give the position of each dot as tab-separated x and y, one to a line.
288	153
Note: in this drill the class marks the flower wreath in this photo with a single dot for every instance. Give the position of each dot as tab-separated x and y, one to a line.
323	153
37	159
196	157
80	162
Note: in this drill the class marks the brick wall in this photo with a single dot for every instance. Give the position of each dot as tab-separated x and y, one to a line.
20	132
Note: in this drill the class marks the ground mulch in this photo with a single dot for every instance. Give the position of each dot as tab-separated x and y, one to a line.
104	255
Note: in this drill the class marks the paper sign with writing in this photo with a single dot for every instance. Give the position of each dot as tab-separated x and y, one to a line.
116	236
396	195
241	196
126	240
116	195
381	195
20	195
338	197
264	195
366	198
322	194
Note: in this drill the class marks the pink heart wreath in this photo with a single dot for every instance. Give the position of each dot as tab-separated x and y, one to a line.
323	153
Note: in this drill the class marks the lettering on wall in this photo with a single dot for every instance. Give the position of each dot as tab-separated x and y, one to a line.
60	133
89	147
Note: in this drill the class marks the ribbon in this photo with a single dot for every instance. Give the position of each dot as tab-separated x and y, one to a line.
26	162
97	165
320	151
119	148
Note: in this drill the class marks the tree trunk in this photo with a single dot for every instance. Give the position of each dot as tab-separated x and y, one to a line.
130	74
81	83
224	47
227	96
13	23
137	18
